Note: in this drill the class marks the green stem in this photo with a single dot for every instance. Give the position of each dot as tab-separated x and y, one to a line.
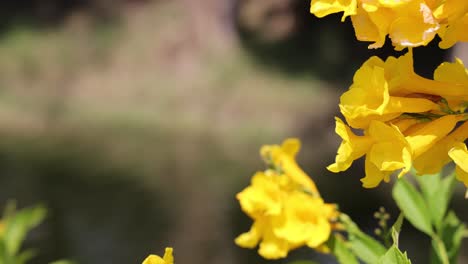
441	248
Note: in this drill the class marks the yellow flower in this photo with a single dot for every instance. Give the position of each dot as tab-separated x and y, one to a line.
166	259
285	205
378	92
423	137
452	72
263	201
449	148
372	26
408	23
454	33
263	197
384	90
404	123
352	147
456	75
305	220
450	82
459	154
433	160
387	149
454	13
413	25
390	152
283	158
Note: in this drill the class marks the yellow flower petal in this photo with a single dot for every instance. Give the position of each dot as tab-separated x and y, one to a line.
167	259
369	97
322	8
451	10
273	247
424	138
432	161
352	148
397	71
372	23
262	197
153	259
391	151
404	123
418	84
393	3
399	105
414	25
305	221
291	147
459	154
453	73
251	238
454	33
462	175
284	158
374	176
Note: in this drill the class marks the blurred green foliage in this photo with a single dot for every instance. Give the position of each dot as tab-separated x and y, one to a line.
15	226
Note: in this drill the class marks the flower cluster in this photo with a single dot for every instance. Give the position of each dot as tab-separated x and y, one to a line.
285	205
396	118
409	23
406	120
166	259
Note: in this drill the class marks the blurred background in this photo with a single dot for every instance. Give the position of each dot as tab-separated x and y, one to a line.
136	122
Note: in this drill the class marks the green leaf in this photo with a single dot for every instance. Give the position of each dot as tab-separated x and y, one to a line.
396	228
412	204
446	244
19	224
366	248
25	256
341	251
4	257
363	246
394	256
437	192
452	235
